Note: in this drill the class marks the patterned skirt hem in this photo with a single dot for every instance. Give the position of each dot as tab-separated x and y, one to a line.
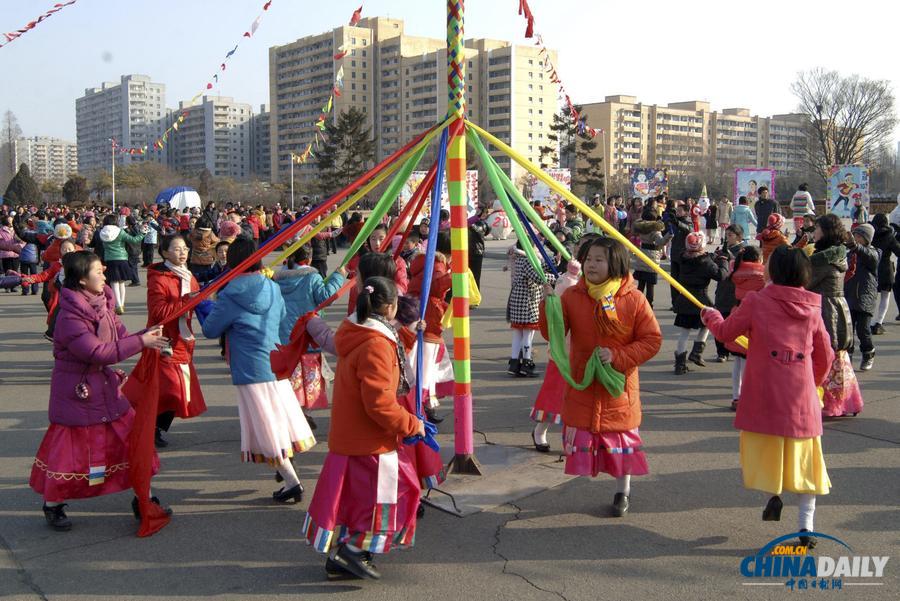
298	446
539	415
322	539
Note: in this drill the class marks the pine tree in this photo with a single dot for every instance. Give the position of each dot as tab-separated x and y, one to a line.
348	151
75	190
571	150
22	188
589	175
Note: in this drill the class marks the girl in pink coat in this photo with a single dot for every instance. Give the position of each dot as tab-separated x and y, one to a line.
779	414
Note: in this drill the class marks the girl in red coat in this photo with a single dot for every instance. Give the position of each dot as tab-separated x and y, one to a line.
373	245
168	285
367	494
779	414
606	315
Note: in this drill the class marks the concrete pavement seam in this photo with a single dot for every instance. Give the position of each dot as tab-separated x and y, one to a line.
23	574
496	551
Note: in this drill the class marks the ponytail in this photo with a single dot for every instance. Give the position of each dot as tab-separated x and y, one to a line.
749	254
377	292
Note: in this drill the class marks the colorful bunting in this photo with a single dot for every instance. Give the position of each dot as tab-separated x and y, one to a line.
12	35
159	143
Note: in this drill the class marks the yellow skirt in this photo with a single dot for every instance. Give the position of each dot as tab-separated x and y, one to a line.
777	463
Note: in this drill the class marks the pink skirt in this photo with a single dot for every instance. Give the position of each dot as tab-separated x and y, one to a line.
78	462
549	401
273	427
615	453
309	383
367	501
842	394
427	462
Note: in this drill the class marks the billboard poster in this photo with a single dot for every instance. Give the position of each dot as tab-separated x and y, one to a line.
416	177
648	183
748	181
847	185
542	192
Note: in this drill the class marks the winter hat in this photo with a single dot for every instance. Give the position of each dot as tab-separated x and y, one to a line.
776	221
865	231
88	214
229	229
62	231
573	267
44	227
695	242
125	211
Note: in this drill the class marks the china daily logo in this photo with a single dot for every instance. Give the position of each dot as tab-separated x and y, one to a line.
795	567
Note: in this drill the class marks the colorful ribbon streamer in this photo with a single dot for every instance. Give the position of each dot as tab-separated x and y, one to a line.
13	35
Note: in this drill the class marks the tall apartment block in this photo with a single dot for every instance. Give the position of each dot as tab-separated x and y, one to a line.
48	159
399	81
132	111
260	151
216	135
687	137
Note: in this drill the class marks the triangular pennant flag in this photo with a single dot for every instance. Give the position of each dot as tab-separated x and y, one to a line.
357	15
233	50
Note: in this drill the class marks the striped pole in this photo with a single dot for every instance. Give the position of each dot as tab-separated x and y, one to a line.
464	461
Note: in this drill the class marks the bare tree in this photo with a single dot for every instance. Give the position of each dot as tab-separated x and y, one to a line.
846	114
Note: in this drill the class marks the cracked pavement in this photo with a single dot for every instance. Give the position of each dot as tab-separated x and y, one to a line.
690	522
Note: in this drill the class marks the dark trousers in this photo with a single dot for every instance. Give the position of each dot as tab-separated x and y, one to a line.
321	265
475	262
862	325
164	420
721	351
135	263
675	271
147	251
897	293
29	269
647	289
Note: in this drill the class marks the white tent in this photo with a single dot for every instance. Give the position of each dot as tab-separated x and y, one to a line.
179	198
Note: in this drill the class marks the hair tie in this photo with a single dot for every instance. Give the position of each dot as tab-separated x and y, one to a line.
370	290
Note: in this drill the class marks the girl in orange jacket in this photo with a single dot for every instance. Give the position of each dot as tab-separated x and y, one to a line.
615	321
367	494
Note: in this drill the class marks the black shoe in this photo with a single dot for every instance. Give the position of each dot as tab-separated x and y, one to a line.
136	508
681	367
620	505
538	446
283	496
868	361
310	421
877	329
158	440
358	563
807	541
333	571
772	512
513	368
734	405
721	358
420	511
432	415
56	517
696	356
527	369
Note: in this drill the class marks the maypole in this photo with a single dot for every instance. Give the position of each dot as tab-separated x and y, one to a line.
464	461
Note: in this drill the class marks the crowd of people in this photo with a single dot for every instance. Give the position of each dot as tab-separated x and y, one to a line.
787	310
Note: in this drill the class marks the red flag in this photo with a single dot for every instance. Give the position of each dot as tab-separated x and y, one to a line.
267	4
340	55
142	391
357	15
525	10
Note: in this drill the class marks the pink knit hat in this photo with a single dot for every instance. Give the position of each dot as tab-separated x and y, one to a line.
776	221
229	229
695	242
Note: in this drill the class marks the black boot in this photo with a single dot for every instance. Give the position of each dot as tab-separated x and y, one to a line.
136	508
807	541
358	563
310	421
620	505
696	356
868	361
513	368
333	571
432	415
772	512
56	517
159	440
527	369
283	495
681	367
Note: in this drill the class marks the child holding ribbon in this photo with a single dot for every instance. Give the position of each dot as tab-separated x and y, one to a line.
779	414
368	493
616	329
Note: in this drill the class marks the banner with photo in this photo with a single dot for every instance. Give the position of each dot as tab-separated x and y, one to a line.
847	185
415	179
748	181
647	183
542	192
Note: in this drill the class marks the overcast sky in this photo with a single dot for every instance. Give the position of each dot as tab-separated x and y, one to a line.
730	55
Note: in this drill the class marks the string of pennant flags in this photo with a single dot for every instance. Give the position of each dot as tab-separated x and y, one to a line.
578	119
12	35
336	90
161	141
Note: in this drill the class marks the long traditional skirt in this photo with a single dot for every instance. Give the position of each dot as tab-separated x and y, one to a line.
273	427
777	463
548	404
179	390
842	394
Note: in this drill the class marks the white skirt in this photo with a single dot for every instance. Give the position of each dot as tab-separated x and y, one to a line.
273	427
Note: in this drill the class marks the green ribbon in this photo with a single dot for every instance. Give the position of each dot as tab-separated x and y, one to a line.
612	380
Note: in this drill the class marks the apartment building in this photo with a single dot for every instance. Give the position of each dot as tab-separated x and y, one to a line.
260	151
400	82
216	135
48	159
132	111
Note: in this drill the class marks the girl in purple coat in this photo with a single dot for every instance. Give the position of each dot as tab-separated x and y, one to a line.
84	452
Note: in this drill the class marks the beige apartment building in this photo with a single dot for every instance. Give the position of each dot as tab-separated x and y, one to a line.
215	135
400	82
687	137
48	159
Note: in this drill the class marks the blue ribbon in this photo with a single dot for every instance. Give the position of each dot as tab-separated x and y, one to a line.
430	250
540	246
